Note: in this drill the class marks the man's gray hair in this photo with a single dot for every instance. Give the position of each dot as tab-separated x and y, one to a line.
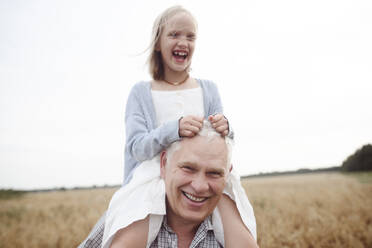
209	132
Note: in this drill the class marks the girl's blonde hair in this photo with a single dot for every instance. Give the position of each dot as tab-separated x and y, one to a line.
155	60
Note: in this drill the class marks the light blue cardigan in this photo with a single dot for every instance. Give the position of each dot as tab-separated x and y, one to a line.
143	139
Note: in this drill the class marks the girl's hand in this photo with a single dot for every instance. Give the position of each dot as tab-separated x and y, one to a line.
190	125
219	122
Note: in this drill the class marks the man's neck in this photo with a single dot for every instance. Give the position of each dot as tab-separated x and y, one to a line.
185	230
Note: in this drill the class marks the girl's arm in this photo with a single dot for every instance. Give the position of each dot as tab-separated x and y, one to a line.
215	108
236	234
143	140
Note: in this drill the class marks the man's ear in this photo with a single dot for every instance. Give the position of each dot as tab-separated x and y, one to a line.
231	167
163	162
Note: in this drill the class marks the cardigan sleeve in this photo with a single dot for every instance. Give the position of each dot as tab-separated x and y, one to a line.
215	106
142	141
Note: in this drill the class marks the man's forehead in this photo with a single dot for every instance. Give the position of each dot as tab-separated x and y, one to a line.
198	140
201	147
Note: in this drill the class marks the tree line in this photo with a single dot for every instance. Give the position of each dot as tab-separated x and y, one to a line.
361	160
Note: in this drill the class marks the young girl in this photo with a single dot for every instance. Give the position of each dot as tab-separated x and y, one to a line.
171	106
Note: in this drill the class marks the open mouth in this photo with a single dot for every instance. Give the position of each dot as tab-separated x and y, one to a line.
180	55
194	198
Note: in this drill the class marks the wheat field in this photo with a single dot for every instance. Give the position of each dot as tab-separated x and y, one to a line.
313	210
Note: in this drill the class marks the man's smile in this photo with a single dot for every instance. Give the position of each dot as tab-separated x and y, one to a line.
194	198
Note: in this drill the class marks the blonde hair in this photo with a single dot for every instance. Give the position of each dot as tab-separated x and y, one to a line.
155	61
209	133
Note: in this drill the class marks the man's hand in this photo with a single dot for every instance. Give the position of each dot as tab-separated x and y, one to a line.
219	122
190	125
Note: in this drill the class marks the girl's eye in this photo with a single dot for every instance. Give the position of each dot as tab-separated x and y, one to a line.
173	34
191	37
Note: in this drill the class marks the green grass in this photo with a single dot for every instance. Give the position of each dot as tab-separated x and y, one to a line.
363	177
9	194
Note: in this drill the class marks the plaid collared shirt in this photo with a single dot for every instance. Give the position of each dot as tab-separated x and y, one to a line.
204	237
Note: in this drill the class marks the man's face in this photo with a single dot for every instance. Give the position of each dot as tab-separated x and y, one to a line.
194	177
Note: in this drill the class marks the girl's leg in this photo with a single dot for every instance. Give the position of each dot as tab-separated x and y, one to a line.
236	234
134	235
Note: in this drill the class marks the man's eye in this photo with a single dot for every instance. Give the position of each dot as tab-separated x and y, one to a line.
214	174
187	168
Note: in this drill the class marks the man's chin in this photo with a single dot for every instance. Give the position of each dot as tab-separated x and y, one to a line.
195	217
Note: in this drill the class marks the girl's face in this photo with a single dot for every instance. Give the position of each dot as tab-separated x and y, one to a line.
177	43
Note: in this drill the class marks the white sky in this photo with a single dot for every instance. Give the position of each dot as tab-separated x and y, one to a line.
295	78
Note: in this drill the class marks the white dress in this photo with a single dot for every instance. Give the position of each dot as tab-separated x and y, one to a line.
145	193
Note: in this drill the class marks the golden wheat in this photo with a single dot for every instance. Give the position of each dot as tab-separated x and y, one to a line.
317	210
51	219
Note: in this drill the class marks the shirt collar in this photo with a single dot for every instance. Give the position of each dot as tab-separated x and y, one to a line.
205	225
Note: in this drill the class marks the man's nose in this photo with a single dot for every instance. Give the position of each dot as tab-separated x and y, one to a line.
200	184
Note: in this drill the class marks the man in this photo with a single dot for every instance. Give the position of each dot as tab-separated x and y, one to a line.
195	172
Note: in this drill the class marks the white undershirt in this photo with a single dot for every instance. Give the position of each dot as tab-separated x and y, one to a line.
172	105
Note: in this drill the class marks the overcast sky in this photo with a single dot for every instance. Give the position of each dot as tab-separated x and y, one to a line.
295	78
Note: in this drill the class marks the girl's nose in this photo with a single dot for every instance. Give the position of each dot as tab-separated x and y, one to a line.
182	42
